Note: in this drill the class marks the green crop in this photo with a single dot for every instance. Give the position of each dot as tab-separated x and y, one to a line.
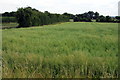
66	50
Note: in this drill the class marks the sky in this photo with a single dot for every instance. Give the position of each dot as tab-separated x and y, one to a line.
104	7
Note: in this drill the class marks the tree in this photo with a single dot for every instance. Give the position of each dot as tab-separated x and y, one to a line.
109	19
6	14
70	16
27	17
96	15
24	17
117	18
101	19
9	14
90	14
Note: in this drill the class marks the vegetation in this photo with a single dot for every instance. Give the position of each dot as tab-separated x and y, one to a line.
27	17
9	14
66	50
9	25
118	18
91	16
8	19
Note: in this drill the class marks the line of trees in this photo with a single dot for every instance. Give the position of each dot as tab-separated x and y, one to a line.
108	19
27	17
31	17
9	14
92	16
8	17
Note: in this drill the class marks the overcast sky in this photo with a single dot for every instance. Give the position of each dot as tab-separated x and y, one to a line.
104	7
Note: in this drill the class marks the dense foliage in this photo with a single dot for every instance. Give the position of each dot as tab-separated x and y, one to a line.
31	17
9	14
92	16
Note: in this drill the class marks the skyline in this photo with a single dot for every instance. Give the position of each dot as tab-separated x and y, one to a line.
104	7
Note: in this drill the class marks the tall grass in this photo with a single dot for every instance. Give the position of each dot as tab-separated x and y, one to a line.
67	50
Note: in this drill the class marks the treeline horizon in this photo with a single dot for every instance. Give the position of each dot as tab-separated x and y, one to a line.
29	16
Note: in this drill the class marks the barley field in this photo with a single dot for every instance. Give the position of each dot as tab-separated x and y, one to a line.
65	50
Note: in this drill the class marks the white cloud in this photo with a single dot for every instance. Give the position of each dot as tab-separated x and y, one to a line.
105	7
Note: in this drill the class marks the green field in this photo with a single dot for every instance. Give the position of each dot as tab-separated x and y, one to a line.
9	25
66	50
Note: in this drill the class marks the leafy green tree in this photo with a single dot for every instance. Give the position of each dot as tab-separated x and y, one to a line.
117	18
96	15
24	17
101	19
27	17
70	16
109	19
90	14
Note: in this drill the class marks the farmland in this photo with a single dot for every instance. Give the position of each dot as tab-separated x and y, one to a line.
65	50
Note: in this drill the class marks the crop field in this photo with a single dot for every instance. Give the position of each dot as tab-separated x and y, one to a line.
65	50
